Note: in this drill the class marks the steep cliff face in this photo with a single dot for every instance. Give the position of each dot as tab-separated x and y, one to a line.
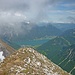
27	61
5	50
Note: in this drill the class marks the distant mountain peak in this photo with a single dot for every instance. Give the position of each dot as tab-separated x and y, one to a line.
27	61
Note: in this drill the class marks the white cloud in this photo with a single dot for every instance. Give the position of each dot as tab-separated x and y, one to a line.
34	10
14	12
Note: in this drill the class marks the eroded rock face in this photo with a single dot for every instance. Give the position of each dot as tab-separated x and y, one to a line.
5	50
27	61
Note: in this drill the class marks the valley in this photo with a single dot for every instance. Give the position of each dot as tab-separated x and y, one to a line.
60	49
37	37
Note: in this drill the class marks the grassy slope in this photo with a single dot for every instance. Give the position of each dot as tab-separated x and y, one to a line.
25	62
55	50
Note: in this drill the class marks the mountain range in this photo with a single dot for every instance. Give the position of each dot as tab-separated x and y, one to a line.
30	31
61	50
64	26
33	31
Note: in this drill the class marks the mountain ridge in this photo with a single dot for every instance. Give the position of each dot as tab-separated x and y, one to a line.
61	50
5	50
27	61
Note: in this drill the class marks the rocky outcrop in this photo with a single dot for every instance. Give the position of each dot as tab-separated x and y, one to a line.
5	50
27	61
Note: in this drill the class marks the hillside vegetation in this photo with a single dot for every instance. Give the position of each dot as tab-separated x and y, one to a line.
61	50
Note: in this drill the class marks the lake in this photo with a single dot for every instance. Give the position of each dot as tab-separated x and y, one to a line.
31	42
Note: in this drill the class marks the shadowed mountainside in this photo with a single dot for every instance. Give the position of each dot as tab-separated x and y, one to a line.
61	50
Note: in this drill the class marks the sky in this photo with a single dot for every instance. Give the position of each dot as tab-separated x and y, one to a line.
14	12
37	11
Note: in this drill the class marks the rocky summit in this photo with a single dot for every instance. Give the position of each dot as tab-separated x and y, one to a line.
27	61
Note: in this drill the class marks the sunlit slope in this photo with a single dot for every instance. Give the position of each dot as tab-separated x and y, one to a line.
27	61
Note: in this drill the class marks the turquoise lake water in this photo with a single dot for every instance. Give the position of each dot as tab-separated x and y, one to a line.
31	42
